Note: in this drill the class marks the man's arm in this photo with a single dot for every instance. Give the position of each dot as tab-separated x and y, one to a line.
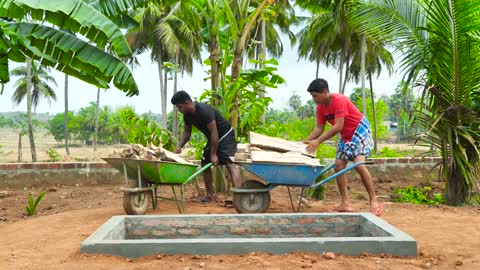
317	131
187	132
336	128
212	128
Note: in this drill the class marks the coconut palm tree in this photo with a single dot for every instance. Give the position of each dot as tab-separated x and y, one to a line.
327	36
40	80
33	76
376	57
172	32
440	44
142	39
180	34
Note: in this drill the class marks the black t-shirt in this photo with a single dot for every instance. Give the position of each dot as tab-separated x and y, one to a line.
205	114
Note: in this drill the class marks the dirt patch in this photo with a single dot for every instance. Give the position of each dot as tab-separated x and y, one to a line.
447	236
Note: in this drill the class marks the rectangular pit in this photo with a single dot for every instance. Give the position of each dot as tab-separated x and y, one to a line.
345	233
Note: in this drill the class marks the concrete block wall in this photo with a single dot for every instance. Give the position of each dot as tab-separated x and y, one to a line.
257	226
44	174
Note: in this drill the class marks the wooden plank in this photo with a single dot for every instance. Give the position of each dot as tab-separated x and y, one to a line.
286	158
170	156
277	144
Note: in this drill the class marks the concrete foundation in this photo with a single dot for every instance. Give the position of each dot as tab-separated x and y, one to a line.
345	233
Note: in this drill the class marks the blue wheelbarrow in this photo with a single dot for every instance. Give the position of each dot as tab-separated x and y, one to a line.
254	196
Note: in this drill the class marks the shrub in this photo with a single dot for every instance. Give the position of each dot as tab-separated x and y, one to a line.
417	196
53	155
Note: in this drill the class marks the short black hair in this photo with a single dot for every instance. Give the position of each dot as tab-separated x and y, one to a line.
318	85
181	97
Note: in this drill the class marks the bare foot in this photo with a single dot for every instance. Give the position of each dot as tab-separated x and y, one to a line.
376	208
343	208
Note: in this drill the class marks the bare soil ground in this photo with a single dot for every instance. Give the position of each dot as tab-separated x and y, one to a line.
448	237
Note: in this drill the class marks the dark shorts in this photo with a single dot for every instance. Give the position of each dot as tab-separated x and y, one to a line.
227	148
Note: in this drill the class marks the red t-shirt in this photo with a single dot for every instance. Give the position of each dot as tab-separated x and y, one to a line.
340	106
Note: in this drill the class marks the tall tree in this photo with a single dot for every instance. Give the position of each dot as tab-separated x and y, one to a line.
40	80
95	127
142	39
67	133
179	31
327	36
439	41
32	86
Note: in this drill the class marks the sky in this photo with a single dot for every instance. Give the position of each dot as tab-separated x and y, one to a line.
297	73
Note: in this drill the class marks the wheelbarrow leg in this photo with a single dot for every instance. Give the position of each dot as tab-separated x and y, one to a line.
180	207
300	199
291	200
125	174
154	196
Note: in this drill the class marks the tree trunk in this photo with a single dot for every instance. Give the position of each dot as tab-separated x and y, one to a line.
318	68
236	68
347	64
29	110
456	189
362	73
262	58
374	110
97	115
163	95
214	60
175	111
19	155
164	108
67	149
340	72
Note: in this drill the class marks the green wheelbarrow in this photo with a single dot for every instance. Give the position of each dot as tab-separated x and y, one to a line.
143	177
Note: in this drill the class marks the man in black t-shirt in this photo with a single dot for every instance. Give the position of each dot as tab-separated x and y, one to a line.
220	134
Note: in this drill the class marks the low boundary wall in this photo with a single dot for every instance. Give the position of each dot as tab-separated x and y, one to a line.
44	174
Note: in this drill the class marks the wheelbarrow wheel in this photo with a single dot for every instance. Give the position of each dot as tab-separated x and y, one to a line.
254	202
136	203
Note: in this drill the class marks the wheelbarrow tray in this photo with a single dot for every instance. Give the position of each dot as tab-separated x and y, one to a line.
154	171
284	174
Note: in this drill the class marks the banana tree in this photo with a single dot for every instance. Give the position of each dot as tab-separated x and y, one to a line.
440	44
240	22
64	51
24	37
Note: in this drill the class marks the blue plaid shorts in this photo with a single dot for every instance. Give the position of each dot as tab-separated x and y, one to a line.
361	143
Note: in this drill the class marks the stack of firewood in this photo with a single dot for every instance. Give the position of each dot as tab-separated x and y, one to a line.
151	152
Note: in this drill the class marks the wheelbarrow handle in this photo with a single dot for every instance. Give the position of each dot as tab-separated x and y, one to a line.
198	172
348	168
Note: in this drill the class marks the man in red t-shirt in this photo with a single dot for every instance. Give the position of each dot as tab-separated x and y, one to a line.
355	140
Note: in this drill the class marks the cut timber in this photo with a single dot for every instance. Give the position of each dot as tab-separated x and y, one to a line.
277	144
242	156
243	148
174	157
287	158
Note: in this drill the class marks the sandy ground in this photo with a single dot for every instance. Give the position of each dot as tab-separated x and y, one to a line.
448	237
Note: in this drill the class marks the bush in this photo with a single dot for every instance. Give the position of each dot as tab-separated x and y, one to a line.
53	155
417	196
